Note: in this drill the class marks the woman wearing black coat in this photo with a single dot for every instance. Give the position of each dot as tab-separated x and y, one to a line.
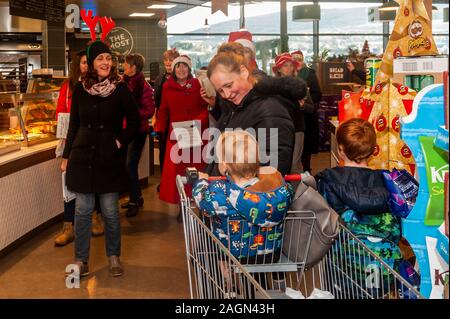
311	145
246	108
94	157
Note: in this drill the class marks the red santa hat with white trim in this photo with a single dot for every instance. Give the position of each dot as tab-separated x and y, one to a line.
243	37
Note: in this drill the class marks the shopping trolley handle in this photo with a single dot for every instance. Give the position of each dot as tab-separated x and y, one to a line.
192	176
293	177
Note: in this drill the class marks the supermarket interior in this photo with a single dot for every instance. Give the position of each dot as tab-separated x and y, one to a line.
111	112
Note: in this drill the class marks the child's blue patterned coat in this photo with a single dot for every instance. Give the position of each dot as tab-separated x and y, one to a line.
247	220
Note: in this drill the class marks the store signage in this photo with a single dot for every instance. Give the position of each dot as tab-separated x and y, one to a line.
50	10
334	72
121	41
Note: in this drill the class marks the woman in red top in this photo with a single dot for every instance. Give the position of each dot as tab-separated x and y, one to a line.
78	68
181	101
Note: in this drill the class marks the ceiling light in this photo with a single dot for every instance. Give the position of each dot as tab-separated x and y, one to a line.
136	14
306	12
389	6
206	26
161	6
162	23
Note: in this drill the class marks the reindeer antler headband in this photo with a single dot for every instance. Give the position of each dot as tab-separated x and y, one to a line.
91	21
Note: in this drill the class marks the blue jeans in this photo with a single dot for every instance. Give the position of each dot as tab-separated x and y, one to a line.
69	209
85	203
133	155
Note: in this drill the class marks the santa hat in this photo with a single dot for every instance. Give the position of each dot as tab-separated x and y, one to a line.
283	58
298	55
243	37
182	58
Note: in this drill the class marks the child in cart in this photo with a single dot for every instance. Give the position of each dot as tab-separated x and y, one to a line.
247	208
359	195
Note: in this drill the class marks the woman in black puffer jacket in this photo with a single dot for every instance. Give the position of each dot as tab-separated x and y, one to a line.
250	105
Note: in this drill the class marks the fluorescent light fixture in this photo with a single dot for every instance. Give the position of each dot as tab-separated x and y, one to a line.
161	6
306	12
137	14
389	6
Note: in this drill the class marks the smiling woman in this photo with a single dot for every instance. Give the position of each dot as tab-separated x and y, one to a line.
180	103
247	107
94	155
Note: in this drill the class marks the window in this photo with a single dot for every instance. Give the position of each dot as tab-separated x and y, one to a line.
303	43
193	21
200	48
297	27
263	18
343	25
348	18
340	44
267	48
439	26
441	43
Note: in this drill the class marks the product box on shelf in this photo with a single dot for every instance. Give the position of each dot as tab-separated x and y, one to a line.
446	203
418	130
432	267
379	118
349	107
446	93
420	71
401	99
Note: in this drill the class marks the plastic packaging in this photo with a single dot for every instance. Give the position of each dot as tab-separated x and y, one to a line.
408	273
403	189
294	294
320	294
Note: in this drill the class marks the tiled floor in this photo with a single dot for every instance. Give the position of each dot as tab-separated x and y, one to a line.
153	255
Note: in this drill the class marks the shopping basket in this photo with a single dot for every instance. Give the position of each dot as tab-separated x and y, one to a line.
349	270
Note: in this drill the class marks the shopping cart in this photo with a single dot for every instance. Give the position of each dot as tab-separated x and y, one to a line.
349	270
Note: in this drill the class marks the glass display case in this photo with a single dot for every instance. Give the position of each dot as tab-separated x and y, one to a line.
28	118
38	116
10	138
9	86
45	84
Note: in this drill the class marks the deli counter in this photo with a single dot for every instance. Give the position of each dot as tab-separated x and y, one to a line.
30	179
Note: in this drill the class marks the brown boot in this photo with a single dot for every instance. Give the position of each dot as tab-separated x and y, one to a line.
115	266
66	236
97	224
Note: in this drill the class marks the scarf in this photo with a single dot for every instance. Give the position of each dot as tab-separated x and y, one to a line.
102	89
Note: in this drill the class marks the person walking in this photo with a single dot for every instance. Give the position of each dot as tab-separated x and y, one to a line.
311	142
168	57
143	94
94	156
79	67
181	102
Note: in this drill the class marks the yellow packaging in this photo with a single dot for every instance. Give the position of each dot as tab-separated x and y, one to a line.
400	104
411	36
